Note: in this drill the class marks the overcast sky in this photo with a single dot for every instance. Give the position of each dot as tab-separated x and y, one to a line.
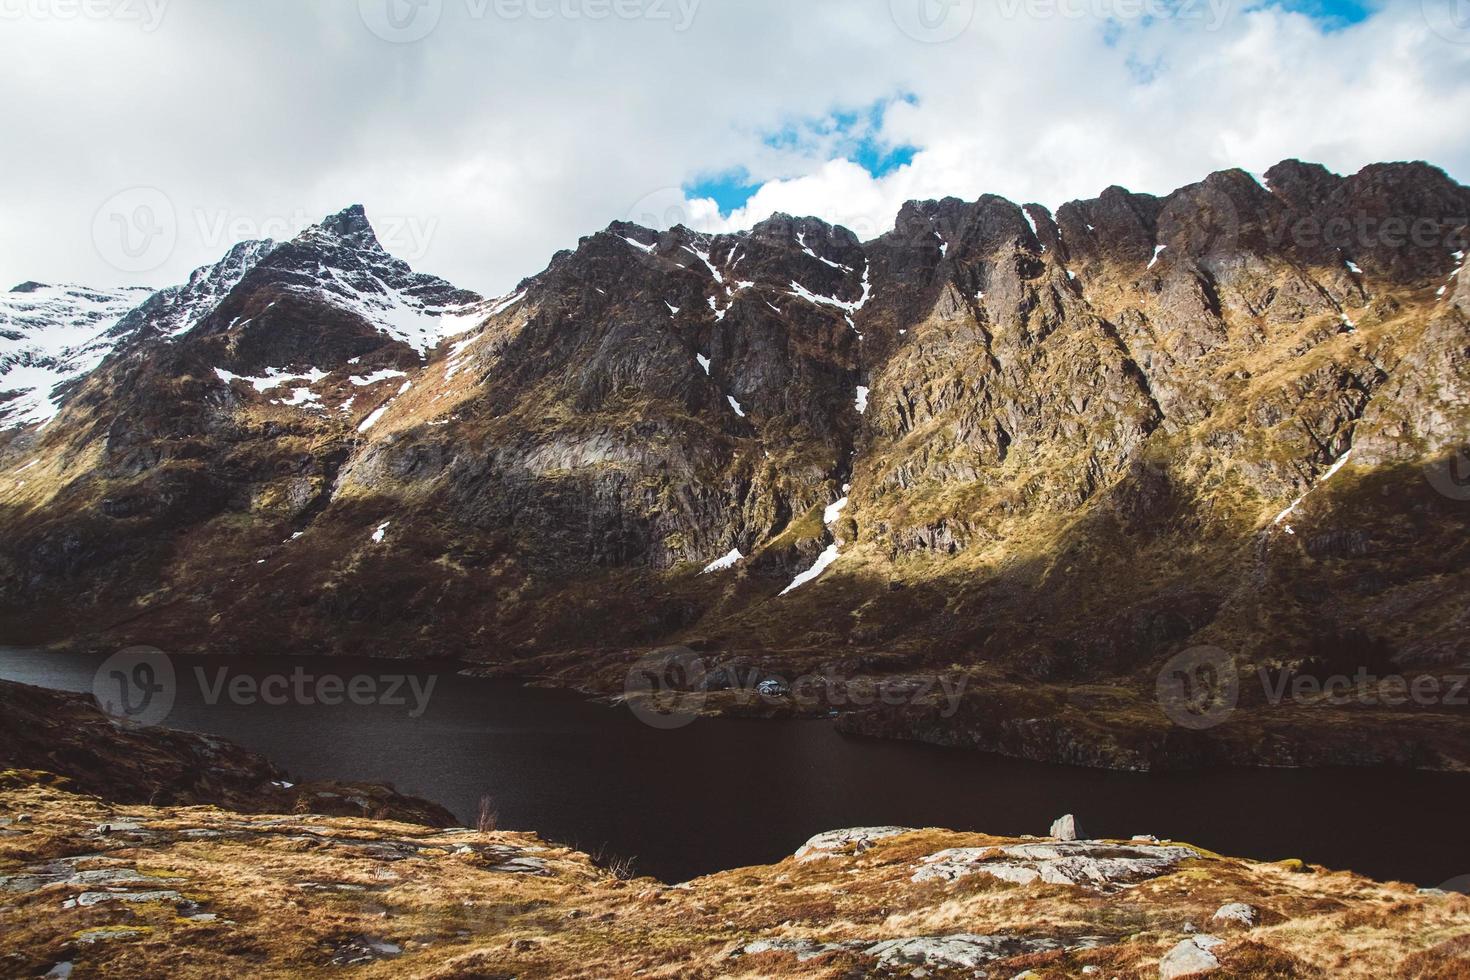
140	138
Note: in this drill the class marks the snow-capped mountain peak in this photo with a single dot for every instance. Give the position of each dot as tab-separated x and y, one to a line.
341	262
351	224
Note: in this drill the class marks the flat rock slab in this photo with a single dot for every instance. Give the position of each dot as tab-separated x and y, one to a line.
89	899
854	840
960	951
1093	864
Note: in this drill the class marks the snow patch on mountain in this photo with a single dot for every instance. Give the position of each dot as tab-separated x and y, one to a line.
176	310
807	249
823	562
52	336
362	381
273	378
1331	472
728	561
341	263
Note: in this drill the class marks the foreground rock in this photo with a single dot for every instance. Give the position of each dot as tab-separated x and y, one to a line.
1193	955
102	890
1065	828
66	735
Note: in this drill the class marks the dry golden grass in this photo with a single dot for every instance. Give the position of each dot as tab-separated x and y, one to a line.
301	895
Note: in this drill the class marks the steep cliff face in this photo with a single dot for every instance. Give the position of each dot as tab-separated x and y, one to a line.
1023	448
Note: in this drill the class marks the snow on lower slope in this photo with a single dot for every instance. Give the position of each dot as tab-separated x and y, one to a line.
1331	472
50	336
824	561
727	561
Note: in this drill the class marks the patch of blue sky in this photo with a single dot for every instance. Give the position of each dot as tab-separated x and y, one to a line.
854	134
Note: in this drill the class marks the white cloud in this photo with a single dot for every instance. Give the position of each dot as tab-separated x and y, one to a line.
501	140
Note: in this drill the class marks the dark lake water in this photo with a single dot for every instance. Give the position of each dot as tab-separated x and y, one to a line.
723	793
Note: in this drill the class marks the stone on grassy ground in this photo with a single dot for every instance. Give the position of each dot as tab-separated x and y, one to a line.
1237	912
1193	955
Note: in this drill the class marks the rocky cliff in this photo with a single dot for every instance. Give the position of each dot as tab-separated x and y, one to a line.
1040	453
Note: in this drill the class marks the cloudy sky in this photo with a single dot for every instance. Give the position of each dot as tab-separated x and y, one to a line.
140	138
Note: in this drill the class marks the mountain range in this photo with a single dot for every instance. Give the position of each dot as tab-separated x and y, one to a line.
1042	454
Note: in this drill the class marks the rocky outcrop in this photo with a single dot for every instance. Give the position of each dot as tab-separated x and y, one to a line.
846	842
1020	449
1090	864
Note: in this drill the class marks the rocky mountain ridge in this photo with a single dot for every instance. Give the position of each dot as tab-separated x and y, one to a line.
1042	452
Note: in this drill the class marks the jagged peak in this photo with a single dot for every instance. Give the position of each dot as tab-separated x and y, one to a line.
351	224
29	286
